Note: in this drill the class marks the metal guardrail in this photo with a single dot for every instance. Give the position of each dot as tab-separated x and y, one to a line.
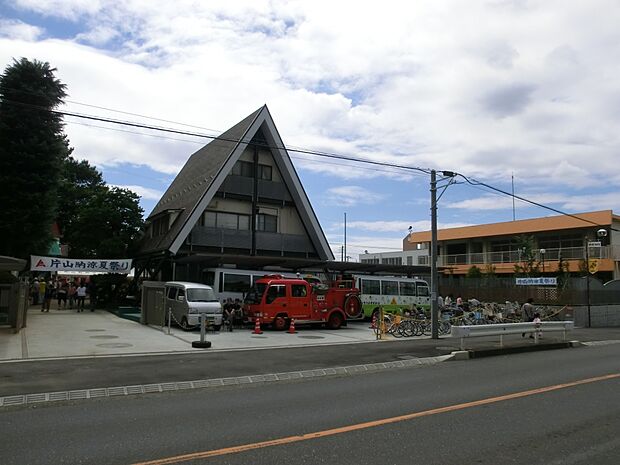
537	329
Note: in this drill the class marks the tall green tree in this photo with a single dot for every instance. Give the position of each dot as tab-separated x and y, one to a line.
103	222
32	148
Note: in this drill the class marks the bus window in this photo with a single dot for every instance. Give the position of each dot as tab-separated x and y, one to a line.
234	282
370	286
208	278
422	290
389	287
407	288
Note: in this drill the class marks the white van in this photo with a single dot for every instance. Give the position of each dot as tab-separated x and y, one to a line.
187	301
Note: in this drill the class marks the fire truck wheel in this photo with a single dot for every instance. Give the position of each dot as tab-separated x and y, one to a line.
353	306
279	323
335	321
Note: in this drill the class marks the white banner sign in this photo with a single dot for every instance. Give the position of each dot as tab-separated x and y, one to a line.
38	263
537	281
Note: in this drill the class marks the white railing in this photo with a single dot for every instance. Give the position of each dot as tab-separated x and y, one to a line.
514	256
536	329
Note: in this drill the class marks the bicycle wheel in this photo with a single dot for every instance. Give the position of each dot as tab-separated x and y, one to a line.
407	328
444	327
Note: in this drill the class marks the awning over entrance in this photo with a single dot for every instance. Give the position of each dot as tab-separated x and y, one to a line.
12	264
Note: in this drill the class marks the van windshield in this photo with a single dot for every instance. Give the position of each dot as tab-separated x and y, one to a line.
255	294
201	295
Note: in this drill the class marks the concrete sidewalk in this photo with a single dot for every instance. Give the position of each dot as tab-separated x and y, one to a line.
66	333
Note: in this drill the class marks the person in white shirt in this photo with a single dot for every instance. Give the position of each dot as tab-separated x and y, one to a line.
81	297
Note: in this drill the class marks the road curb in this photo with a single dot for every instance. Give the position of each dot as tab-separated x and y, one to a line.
480	353
83	394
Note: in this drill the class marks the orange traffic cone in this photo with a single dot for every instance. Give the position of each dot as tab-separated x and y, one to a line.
291	328
257	329
373	325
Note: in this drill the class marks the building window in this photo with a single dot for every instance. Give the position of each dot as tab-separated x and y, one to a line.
246	169
370	261
222	220
243	168
392	261
267	223
264	172
409	260
160	226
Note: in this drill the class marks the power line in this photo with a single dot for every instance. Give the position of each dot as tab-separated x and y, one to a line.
298	150
220	138
295	157
474	182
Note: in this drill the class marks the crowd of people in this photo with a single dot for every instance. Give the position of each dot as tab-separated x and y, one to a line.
68	293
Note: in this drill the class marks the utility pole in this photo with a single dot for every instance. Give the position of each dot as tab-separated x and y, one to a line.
587	267
434	278
344	250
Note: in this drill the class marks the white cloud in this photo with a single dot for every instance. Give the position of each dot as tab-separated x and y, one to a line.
143	192
68	9
98	36
347	196
483	88
560	201
18	30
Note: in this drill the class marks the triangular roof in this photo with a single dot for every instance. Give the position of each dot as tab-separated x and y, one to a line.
205	171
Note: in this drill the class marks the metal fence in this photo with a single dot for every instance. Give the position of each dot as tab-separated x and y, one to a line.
14	305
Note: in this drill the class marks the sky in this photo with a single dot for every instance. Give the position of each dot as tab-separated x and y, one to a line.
502	91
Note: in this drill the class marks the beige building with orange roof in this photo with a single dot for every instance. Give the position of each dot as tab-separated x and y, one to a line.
496	245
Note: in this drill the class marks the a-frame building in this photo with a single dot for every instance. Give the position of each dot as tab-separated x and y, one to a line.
237	201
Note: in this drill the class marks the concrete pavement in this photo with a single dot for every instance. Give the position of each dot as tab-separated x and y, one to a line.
66	333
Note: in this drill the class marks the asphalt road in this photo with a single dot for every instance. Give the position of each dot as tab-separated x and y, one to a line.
569	424
37	376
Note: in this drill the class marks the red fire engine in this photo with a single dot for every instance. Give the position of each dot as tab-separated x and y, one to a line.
276	300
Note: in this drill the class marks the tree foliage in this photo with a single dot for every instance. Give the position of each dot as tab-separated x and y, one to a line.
32	148
474	272
528	265
97	221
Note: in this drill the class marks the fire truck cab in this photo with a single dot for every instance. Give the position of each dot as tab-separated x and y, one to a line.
276	300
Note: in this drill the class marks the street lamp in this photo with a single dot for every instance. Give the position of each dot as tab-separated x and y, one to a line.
542	256
601	233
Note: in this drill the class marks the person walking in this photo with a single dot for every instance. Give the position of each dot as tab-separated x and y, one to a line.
71	293
47	298
42	286
527	313
81	297
61	294
34	292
